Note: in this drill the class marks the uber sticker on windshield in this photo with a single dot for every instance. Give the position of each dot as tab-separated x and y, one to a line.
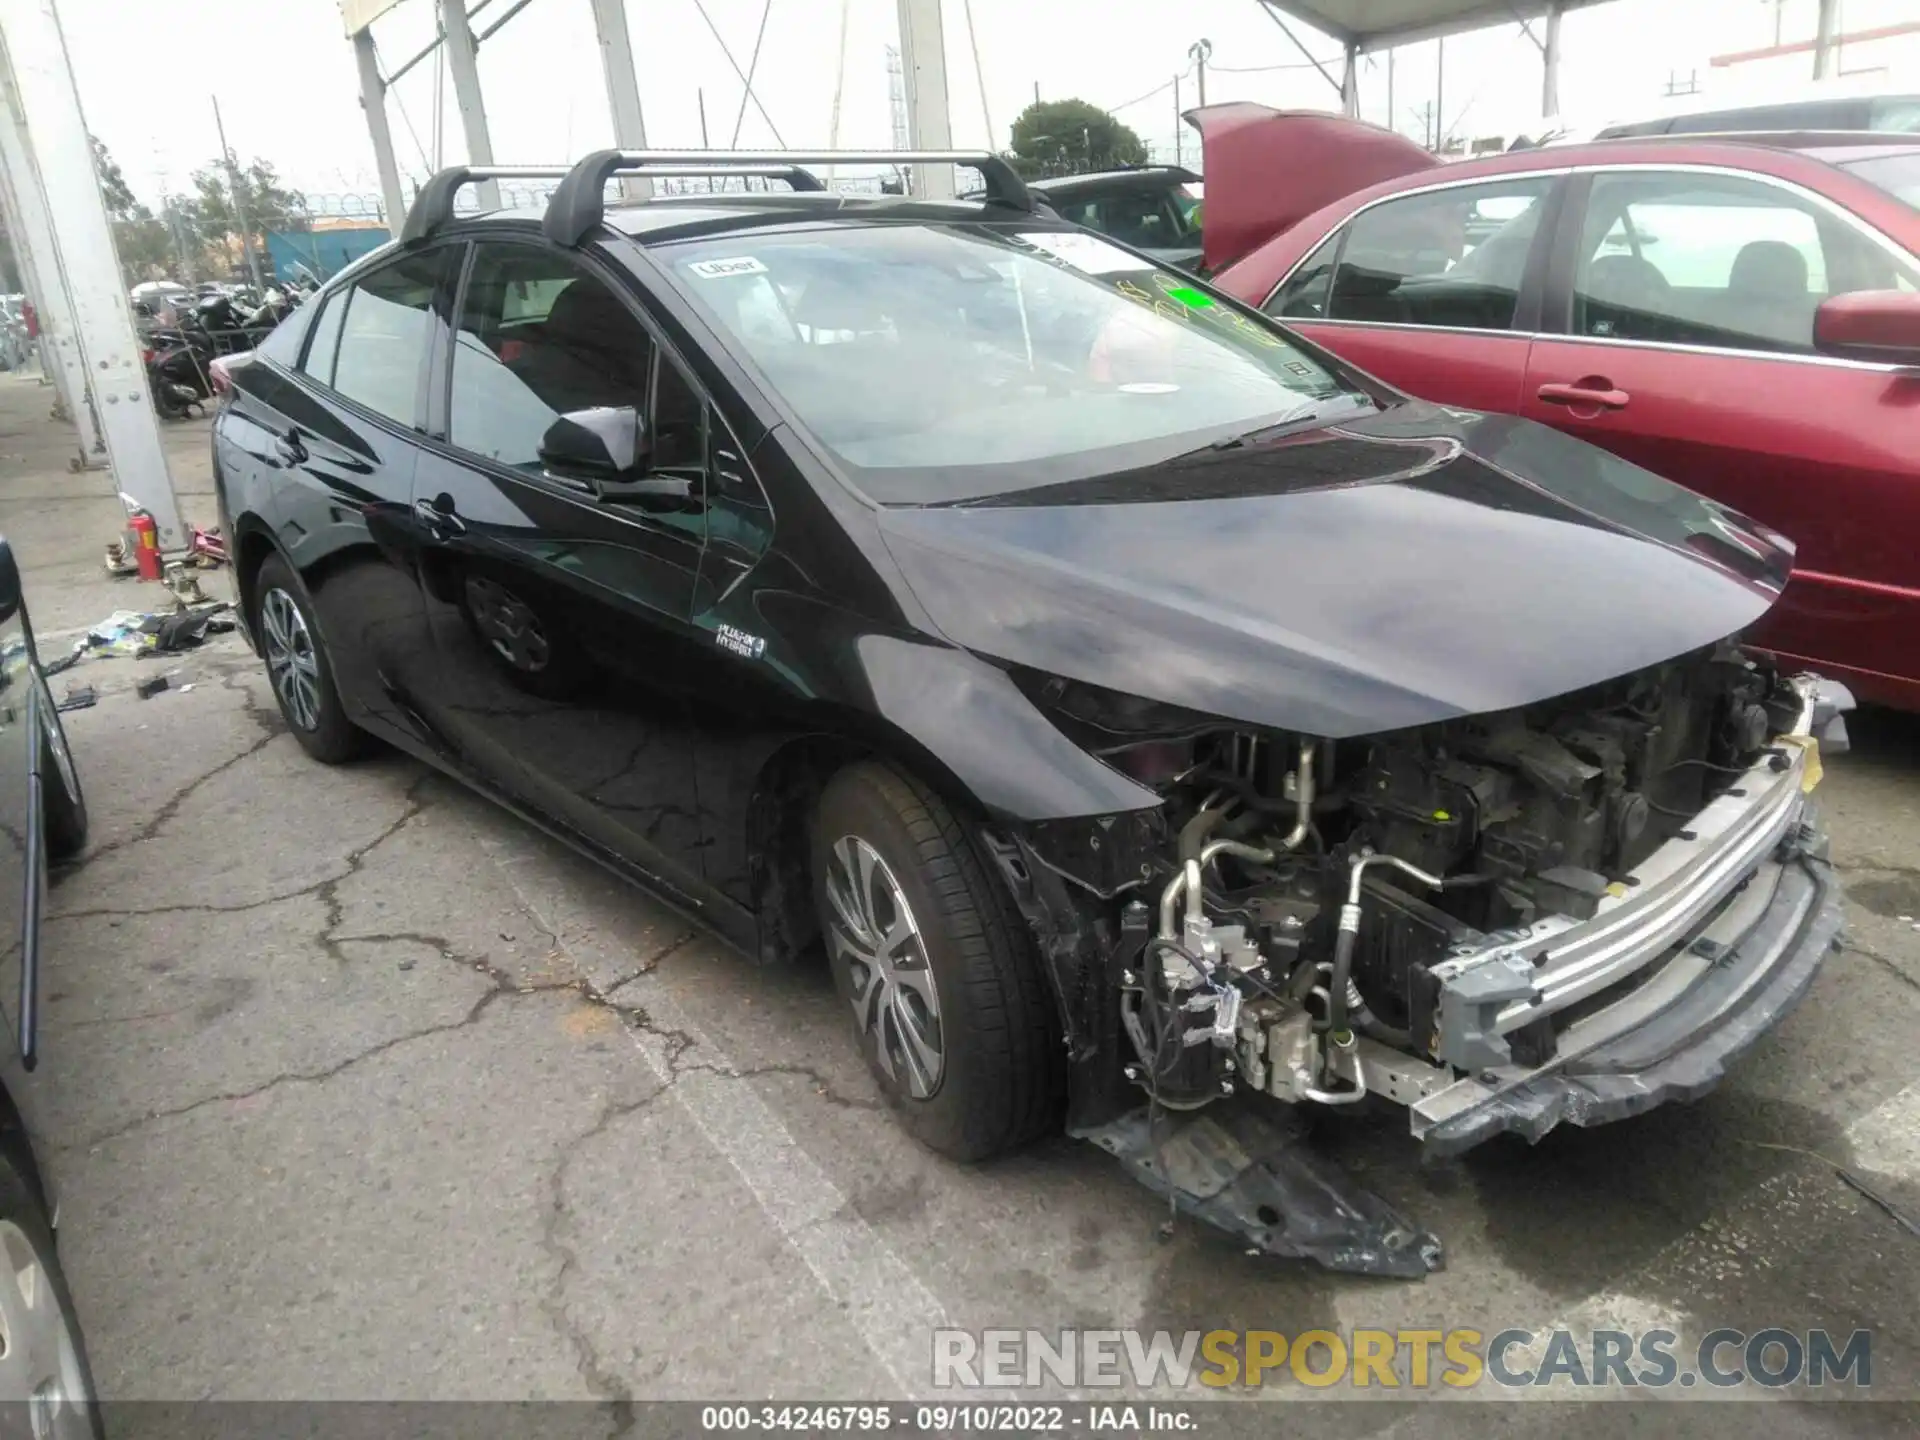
721	269
1086	252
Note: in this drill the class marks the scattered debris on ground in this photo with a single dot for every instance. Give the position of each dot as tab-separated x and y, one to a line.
79	697
142	633
150	687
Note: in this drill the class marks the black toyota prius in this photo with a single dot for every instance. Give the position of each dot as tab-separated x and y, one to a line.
1148	714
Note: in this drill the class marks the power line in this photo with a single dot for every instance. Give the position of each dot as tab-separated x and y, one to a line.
1258	69
1139	99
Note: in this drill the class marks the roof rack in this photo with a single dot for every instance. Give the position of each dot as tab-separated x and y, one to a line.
432	208
579	203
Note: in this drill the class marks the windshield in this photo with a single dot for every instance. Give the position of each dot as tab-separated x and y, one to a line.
947	362
1898	175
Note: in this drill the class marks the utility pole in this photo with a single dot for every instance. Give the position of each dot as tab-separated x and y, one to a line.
1198	52
1393	116
1439	97
701	96
238	191
1176	120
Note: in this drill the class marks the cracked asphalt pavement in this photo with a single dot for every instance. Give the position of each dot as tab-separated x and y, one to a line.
363	1089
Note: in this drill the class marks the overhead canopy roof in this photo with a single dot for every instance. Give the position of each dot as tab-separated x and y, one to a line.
1376	24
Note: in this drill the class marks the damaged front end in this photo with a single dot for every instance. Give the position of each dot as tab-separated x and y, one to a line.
1566	912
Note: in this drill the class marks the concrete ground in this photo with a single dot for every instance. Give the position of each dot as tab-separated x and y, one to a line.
366	1090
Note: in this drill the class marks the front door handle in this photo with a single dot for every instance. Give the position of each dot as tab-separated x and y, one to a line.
439	517
288	448
1593	391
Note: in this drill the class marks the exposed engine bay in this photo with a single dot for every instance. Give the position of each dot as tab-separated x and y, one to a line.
1313	896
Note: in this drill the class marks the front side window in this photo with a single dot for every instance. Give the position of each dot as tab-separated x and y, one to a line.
1715	260
943	362
538	336
1307	291
1453	258
383	335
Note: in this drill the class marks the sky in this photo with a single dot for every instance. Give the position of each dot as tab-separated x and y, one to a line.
283	72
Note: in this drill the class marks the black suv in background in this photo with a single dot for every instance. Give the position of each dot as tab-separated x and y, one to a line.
1147	207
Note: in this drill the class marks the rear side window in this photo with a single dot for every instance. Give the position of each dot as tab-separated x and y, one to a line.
1452	259
540	336
326	338
383	336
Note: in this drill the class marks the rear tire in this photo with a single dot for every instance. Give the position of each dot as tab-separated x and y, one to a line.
298	666
950	1008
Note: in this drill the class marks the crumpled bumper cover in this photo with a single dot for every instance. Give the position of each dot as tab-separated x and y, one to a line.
1679	1052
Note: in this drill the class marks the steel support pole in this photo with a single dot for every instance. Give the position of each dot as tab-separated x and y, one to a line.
623	88
1350	82
923	63
373	100
1824	46
46	287
38	80
1550	66
463	62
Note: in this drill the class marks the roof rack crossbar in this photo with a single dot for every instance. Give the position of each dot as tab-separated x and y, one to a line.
579	203
433	206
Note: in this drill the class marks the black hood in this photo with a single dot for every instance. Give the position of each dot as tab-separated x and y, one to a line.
1390	571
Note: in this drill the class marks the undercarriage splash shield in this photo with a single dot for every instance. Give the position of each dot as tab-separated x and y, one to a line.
1254	1176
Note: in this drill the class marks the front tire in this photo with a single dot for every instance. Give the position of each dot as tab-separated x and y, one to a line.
44	1376
949	1006
298	666
63	804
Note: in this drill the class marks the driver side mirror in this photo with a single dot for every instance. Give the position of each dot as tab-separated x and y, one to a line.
607	449
1881	325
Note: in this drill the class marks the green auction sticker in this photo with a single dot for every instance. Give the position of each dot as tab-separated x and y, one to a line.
1187	295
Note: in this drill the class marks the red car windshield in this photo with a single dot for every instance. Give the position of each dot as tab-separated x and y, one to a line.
1898	175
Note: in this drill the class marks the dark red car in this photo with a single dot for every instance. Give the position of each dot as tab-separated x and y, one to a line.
1740	314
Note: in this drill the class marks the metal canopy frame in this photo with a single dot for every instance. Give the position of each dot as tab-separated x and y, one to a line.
53	191
462	43
1361	27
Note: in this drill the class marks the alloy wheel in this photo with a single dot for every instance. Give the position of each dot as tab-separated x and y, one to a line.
291	661
508	624
39	1358
873	932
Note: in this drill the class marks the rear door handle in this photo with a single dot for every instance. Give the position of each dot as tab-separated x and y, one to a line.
1593	390
438	516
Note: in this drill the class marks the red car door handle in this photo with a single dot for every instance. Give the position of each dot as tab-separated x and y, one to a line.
1591	391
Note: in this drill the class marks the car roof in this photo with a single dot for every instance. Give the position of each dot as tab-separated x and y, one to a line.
1828	146
685	217
1142	177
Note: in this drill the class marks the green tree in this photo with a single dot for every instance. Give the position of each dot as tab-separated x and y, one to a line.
1071	137
141	241
215	217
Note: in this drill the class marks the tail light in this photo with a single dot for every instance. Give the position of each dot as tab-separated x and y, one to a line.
146	356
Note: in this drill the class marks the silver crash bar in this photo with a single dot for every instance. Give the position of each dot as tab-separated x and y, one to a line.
1490	991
